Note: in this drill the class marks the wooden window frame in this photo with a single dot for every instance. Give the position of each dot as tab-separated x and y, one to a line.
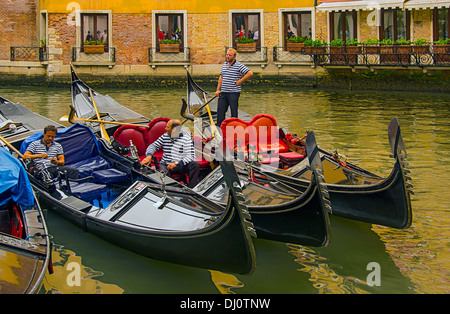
95	15
246	15
435	23
299	20
395	26
183	31
355	24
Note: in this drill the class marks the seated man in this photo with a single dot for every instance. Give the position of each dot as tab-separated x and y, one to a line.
48	156
178	152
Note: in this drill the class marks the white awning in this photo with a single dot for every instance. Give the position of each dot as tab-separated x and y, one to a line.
361	5
426	4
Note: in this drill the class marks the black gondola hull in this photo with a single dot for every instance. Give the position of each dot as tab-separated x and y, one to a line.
386	203
225	245
306	220
301	222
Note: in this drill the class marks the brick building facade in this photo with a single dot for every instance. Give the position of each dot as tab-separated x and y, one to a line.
206	29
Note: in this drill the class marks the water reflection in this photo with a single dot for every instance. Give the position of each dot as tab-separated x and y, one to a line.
355	123
322	276
67	266
225	283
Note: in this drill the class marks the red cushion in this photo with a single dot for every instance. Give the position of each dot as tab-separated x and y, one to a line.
259	130
137	134
156	128
234	130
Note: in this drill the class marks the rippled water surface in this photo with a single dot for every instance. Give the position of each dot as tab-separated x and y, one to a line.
415	260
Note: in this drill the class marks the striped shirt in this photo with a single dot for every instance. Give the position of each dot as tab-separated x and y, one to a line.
230	75
180	149
38	147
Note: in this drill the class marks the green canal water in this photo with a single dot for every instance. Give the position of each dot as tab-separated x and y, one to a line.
355	123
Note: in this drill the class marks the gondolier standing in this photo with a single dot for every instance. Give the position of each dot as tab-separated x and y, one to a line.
232	76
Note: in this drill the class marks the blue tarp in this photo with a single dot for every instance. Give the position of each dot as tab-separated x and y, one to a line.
78	141
14	181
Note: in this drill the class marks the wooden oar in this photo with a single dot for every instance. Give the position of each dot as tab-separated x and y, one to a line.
10	146
72	119
214	131
102	127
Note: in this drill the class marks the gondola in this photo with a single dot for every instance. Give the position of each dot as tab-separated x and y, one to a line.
282	213
172	224
25	245
107	108
167	223
17	122
354	192
278	216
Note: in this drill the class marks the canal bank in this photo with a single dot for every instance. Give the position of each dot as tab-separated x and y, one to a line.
349	78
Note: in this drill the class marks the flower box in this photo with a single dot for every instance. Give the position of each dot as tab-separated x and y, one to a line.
295	46
246	47
94	48
421	49
316	50
441	54
404	49
372	49
344	54
173	48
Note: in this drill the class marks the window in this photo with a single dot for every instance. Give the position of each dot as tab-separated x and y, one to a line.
343	25
247	25
395	24
169	26
94	27
297	24
441	26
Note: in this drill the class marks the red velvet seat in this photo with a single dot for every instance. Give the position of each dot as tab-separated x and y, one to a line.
142	137
138	135
260	132
156	128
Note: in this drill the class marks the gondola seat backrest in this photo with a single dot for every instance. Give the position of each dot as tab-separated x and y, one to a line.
235	134
138	136
261	132
156	128
142	137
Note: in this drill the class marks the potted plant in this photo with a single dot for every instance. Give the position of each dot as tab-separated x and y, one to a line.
403	46
169	45
353	46
315	46
43	45
352	49
421	46
387	51
441	51
372	46
337	51
403	49
295	43
245	44
94	46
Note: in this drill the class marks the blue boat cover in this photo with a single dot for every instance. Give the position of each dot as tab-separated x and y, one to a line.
15	184
79	143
